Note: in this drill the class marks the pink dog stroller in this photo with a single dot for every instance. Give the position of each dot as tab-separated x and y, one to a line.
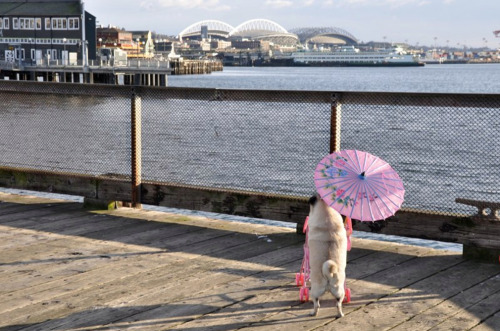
303	276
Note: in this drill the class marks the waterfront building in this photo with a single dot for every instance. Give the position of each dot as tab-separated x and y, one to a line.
144	42
40	31
108	37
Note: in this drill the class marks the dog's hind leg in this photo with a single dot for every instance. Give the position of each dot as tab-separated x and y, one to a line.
316	292
339	294
314	312
339	307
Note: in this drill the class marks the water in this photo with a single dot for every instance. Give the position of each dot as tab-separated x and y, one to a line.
449	78
427	146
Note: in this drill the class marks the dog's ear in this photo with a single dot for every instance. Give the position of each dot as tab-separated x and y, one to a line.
313	200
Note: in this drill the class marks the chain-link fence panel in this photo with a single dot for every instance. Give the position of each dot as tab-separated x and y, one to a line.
249	140
65	132
443	146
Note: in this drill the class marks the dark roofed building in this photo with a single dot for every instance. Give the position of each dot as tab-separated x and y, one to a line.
40	7
32	31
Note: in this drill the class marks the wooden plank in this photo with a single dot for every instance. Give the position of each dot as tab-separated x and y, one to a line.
198	221
466	302
416	297
259	307
220	276
168	309
489	324
47	273
209	311
228	275
211	245
365	293
16	215
154	278
474	315
19	211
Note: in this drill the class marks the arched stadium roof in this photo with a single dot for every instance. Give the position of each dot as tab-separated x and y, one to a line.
262	29
215	27
252	26
324	35
256	29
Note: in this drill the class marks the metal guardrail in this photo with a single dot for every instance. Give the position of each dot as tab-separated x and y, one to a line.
59	64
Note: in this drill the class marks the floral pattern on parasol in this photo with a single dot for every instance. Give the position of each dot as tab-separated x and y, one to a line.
359	185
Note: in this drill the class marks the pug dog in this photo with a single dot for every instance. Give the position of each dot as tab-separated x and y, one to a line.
327	243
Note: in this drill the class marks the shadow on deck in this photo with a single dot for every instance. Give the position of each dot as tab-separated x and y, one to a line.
65	268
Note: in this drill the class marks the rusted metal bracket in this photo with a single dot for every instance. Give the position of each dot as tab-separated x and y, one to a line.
487	211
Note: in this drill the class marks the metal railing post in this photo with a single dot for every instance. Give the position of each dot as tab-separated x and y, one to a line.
335	122
136	157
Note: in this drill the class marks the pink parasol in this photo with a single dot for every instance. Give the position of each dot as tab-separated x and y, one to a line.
359	185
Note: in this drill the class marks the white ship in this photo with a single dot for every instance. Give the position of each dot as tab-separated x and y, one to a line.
351	56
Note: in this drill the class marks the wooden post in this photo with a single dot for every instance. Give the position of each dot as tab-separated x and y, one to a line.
136	145
334	135
335	123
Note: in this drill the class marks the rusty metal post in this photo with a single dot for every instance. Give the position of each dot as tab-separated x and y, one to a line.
335	122
136	157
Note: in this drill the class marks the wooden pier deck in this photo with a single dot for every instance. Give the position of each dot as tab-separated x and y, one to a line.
66	268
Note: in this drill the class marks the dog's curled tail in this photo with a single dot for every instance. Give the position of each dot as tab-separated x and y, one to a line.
329	269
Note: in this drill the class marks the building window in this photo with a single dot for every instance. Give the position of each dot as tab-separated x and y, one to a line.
6	23
59	24
47	24
27	23
52	54
19	54
15	23
38	23
1	23
73	23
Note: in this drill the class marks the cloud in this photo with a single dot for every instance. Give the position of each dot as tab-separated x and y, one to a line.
279	3
186	4
391	3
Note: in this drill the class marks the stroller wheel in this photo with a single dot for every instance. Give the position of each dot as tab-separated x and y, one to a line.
347	297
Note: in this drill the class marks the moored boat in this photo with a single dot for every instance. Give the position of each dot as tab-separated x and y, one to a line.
351	56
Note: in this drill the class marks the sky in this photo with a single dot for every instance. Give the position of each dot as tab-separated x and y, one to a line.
436	23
